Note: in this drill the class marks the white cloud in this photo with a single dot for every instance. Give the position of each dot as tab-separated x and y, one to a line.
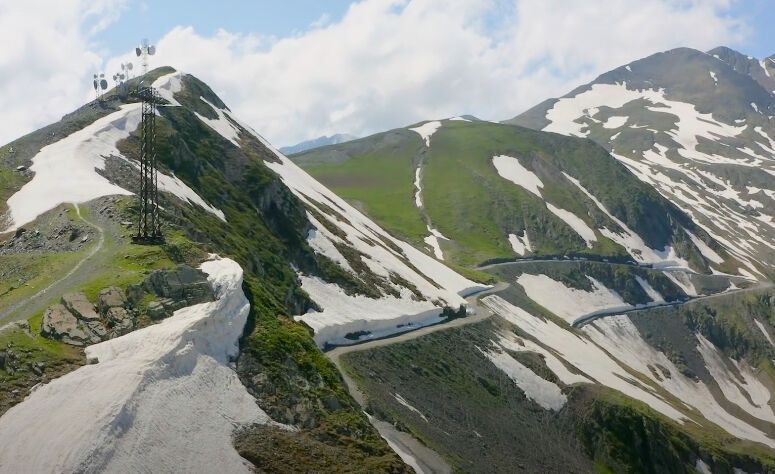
389	63
46	60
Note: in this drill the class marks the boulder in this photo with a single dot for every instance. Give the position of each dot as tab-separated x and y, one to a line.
120	320
184	283
58	321
80	307
156	310
111	297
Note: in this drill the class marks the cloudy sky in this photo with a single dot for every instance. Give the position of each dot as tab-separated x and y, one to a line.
299	69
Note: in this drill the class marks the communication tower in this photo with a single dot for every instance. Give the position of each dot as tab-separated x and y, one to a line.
143	51
149	226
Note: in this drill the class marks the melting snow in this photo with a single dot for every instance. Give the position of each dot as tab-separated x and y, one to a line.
403	402
615	122
521	245
343	314
433	241
165	391
570	303
576	223
764	331
426	130
683	281
706	251
461	119
541	391
510	168
417	189
745	391
655	296
222	125
713	76
631	241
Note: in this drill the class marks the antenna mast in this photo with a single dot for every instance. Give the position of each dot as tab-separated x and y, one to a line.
143	52
149	226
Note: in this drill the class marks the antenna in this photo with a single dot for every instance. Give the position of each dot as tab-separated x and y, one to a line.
143	52
149	226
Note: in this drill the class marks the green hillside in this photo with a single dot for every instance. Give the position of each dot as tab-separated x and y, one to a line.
476	209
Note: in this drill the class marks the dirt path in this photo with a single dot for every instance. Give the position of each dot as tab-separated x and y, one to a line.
80	273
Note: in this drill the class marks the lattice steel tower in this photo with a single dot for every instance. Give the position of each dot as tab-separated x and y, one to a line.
149	227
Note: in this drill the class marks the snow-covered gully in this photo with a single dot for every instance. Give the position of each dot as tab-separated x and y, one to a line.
165	391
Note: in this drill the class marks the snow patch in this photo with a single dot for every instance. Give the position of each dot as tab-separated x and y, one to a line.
521	245
705	250
221	124
510	168
426	130
101	416
403	402
655	296
570	303
547	394
764	331
713	76
615	122
576	223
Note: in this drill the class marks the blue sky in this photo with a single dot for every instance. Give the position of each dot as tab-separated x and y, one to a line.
143	18
300	69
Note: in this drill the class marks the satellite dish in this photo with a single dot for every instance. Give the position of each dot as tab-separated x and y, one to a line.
102	75
95	82
121	76
95	76
129	66
138	52
104	84
123	66
151	50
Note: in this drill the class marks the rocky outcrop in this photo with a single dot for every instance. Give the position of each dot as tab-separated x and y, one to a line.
80	307
176	288
75	321
111	297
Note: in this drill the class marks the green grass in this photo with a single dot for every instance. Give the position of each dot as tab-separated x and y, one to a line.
468	202
381	182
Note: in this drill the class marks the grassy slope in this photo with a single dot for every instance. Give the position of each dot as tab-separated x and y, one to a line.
471	204
380	182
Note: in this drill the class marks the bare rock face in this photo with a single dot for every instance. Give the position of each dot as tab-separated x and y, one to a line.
58	322
111	297
80	307
119	321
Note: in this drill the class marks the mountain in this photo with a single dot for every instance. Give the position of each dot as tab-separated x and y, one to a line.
631	328
564	315
696	126
479	191
281	256
317	143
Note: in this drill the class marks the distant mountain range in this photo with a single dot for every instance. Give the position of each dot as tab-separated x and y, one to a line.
317	143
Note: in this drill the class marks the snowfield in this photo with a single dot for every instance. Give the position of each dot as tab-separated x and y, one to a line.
570	304
160	399
680	166
66	171
345	315
608	352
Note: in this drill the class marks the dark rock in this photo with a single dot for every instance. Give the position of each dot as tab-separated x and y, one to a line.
80	307
120	320
2	359
156	310
111	297
135	293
